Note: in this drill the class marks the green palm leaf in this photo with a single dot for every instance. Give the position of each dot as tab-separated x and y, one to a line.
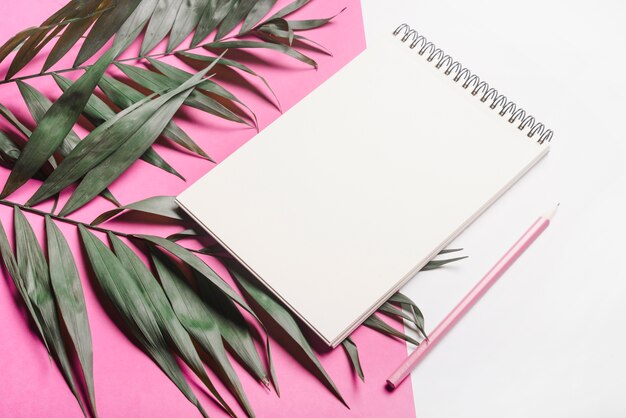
234	329
287	50
199	322
97	111
160	111
164	314
55	125
174	314
238	11
284	320
213	14
353	354
228	63
155	82
90	12
208	86
259	9
379	325
34	271
88	153
160	24
20	282
200	266
105	28
71	301
9	151
164	206
130	301
124	96
188	17
434	264
134	24
38	105
34	39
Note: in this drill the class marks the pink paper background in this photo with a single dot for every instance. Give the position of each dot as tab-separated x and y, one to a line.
127	383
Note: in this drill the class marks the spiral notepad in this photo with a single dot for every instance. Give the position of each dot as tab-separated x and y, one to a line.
347	195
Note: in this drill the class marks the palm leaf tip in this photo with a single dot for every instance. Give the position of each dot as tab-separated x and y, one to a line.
353	355
285	321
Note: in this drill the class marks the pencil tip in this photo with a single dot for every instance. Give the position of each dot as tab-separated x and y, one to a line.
550	214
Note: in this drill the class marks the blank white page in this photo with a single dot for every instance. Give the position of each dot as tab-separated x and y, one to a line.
347	195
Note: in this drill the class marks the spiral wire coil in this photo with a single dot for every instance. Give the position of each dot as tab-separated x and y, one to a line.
475	85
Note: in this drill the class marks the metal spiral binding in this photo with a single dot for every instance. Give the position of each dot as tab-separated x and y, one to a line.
475	84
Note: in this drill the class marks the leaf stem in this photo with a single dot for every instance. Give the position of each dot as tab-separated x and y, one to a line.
85	67
63	219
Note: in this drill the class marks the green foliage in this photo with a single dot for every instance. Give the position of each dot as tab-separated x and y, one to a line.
176	306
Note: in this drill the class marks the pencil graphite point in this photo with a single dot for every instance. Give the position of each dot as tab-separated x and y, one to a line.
550	214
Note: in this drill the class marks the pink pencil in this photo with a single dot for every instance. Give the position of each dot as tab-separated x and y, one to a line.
470	299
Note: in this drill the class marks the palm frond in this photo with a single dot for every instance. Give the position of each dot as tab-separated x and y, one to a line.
100	20
175	306
50	288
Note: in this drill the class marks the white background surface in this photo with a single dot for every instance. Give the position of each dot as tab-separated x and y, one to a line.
549	339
